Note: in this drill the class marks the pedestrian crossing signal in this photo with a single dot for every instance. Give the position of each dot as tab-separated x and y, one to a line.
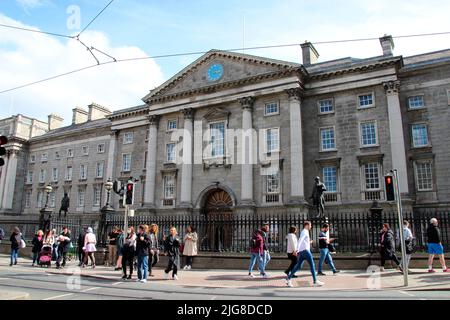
389	187
129	194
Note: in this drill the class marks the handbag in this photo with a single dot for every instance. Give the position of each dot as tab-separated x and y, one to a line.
22	244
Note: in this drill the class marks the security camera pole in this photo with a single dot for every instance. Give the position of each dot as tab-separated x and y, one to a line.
400	223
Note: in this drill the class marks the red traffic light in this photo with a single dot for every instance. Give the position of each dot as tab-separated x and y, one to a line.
3	140
388	180
130	187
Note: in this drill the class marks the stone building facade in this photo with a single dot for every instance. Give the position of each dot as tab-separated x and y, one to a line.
234	133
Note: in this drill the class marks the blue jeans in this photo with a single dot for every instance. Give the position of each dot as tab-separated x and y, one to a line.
305	255
325	255
142	267
266	259
35	257
14	255
254	257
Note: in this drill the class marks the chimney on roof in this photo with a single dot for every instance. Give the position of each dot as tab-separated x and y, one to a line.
387	44
79	116
309	53
54	122
97	111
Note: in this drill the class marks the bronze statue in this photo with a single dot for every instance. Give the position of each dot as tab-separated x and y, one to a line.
318	198
65	203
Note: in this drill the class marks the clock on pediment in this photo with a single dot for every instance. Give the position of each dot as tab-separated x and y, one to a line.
215	72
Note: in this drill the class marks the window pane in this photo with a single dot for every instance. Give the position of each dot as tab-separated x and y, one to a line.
330	178
169	187
171	125
126	163
273	183
272	140
217	139
424	176
416	102
368	134
271	108
326	106
420	135
327	137
372	176
171	152
365	100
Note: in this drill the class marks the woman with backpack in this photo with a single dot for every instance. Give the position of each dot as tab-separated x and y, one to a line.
17	242
38	242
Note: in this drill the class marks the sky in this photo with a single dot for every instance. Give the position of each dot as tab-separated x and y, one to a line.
138	28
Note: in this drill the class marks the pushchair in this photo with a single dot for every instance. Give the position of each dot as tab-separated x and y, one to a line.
45	256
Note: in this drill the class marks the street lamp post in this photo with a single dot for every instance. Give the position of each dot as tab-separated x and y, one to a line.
108	187
46	212
107	209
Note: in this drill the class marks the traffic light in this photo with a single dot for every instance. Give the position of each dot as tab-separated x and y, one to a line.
129	193
389	186
3	141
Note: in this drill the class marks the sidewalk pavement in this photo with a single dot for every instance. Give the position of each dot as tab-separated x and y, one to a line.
352	280
13	295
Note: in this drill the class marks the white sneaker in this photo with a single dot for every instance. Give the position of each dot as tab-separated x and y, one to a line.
251	275
143	281
174	277
189	267
166	276
186	268
318	284
289	283
265	275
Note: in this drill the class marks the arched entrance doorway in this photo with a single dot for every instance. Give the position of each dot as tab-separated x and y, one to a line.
218	208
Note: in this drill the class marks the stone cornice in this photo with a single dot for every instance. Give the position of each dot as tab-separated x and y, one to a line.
128	114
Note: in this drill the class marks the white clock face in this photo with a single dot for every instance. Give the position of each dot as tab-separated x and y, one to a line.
215	72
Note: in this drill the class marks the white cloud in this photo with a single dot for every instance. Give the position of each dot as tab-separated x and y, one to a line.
27	57
30	4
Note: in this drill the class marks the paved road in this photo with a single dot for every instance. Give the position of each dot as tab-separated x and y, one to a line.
44	286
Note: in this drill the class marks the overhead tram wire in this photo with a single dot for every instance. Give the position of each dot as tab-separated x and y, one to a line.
37	31
203	52
95	18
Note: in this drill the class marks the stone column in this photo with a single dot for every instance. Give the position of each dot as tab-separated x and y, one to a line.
111	165
10	180
297	183
398	151
247	152
3	180
150	177
187	165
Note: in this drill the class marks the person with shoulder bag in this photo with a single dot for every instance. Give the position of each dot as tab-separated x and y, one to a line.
409	244
17	243
154	248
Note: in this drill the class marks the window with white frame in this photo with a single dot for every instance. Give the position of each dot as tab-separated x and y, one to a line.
55	174
273	188
328	139
32	158
420	135
372	176
126	162
368	131
366	100
81	197
272	140
99	170
171	153
128	137
97	196
42	175
44	157
85	150
83	172
424	175
169	186
171	125
69	172
271	109
29	177
101	148
330	178
27	198
217	139
326	106
52	199
416	102
70	153
40	199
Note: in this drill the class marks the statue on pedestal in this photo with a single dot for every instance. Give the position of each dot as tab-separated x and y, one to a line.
318	197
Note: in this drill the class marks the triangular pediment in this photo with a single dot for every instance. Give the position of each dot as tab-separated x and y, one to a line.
216	114
217	69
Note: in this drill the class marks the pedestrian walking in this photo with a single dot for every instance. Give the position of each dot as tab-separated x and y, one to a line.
112	246
80	245
190	246
129	251
325	254
435	246
257	253
17	242
64	241
304	254
292	241
387	247
409	244
119	244
154	248
55	246
142	252
49	239
37	242
266	258
172	249
90	240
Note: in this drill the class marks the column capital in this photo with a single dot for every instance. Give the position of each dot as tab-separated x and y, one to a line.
295	93
188	113
154	119
392	87
247	102
114	133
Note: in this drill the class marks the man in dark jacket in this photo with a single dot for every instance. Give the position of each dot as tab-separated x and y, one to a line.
435	246
63	248
80	245
266	257
142	251
172	249
387	244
